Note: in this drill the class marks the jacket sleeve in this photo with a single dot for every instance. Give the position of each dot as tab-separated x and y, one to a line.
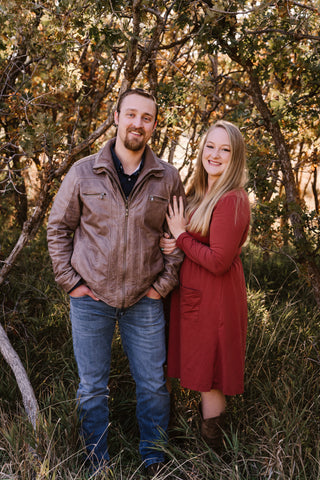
228	231
63	221
169	277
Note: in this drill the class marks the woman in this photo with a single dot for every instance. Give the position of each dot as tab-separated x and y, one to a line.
208	318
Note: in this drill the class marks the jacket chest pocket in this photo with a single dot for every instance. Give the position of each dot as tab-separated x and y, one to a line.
156	209
156	199
95	204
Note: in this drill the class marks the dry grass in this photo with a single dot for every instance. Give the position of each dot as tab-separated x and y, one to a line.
273	431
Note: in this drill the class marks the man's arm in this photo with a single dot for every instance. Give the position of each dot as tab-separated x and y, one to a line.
63	221
169	277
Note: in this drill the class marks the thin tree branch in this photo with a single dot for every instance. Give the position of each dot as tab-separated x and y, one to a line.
28	397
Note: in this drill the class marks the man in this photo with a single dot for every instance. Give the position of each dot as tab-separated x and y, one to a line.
103	236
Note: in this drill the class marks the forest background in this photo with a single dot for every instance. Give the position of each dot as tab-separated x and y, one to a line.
63	64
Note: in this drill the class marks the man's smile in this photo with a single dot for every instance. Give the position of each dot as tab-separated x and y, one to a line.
136	132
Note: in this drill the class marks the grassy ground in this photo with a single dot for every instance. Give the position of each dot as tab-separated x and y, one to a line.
273	431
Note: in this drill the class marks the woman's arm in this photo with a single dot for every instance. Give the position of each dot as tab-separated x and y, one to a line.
228	231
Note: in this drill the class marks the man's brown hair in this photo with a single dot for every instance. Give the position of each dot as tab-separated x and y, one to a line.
137	91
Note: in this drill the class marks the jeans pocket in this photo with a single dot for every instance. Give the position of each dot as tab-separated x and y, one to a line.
153	299
80	296
190	300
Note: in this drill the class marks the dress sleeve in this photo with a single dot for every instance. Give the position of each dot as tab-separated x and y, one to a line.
228	231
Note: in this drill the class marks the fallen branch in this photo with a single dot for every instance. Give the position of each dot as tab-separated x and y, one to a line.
29	400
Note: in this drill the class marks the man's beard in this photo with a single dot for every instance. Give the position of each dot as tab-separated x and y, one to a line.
134	144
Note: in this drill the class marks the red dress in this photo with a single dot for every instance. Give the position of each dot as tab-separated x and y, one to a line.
208	318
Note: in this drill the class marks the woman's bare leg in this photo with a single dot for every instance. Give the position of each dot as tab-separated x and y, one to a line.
213	403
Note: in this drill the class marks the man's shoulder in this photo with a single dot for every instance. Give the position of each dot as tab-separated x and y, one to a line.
84	166
85	162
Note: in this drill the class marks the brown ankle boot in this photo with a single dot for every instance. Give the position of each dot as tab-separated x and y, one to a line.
212	431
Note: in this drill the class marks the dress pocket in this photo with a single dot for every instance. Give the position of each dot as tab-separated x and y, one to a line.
190	301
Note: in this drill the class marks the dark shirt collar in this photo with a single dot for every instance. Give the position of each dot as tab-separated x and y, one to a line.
118	164
127	181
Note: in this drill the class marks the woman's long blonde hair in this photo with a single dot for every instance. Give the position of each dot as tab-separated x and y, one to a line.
200	202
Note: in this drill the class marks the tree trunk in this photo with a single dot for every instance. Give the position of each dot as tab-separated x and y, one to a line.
29	400
314	189
303	246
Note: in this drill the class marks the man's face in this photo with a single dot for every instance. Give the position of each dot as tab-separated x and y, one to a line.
136	121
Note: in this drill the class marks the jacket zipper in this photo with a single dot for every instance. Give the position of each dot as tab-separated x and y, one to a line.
125	252
136	188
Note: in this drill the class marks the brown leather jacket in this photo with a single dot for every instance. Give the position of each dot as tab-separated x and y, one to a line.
112	244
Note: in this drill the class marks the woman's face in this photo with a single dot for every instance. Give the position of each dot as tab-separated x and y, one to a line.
216	154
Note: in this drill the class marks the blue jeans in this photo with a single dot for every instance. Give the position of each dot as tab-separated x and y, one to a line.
142	329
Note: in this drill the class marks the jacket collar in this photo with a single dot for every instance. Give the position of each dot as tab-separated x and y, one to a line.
104	162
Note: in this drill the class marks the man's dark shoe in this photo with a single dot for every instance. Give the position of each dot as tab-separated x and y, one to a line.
153	469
